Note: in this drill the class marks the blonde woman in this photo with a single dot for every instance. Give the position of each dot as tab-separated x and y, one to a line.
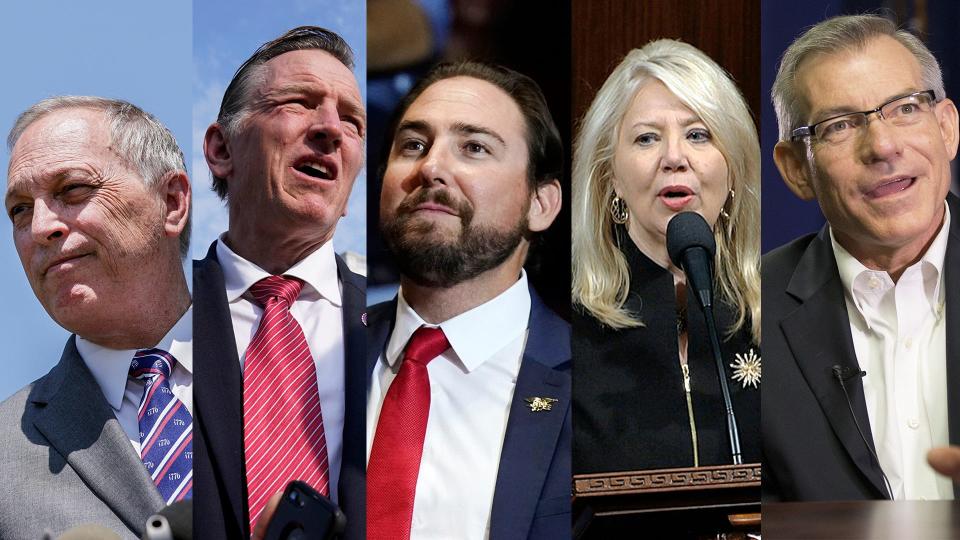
668	132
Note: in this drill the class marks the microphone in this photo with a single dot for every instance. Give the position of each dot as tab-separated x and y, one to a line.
174	522
845	373
691	246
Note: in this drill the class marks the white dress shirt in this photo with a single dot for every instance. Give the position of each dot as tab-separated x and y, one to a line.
899	335
471	388
318	310
111	370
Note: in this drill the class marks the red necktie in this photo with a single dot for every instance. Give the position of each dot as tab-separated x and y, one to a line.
282	425
398	445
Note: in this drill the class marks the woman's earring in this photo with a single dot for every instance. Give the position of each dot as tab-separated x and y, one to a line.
618	210
729	202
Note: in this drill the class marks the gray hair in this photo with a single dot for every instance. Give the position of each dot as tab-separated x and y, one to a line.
145	144
845	33
236	98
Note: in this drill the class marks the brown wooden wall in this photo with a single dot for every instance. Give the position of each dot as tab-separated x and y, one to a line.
605	30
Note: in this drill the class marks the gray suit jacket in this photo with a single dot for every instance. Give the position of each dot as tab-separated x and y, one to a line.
65	460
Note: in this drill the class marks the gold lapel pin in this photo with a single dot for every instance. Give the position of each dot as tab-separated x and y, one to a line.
538	404
746	369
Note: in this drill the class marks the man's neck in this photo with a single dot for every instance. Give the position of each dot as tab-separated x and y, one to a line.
892	260
274	254
438	304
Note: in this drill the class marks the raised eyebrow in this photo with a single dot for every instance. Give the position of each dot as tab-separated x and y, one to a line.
659	125
471	129
418	126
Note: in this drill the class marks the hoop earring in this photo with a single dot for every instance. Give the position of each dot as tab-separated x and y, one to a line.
729	202
619	211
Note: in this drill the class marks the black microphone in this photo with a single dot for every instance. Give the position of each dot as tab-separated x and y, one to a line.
845	373
174	522
691	247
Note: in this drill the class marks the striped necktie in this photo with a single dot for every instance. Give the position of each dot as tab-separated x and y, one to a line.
283	434
166	427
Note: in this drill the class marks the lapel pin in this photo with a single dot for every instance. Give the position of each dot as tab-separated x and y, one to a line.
363	318
746	369
538	404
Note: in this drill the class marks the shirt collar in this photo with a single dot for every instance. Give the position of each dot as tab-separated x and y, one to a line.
866	286
111	367
475	335
317	270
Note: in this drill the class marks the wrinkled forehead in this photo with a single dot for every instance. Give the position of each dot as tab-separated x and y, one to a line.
304	67
463	99
858	77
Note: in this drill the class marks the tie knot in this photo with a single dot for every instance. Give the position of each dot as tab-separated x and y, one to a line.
150	362
425	345
283	287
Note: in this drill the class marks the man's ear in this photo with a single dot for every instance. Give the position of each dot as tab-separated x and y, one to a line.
217	151
789	159
175	190
947	120
545	204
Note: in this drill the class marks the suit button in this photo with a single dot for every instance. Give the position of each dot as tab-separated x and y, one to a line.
913	423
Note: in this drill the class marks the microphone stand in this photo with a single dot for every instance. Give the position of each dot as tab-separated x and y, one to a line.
732	430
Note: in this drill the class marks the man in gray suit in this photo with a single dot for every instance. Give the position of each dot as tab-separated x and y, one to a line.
99	201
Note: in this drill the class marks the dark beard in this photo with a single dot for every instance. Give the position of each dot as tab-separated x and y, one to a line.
430	262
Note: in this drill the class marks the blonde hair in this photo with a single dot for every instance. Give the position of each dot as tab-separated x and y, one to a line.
601	277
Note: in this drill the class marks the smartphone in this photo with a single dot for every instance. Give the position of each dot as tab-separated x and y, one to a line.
305	514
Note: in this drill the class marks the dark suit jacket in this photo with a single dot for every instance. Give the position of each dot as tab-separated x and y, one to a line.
811	447
220	487
65	460
533	490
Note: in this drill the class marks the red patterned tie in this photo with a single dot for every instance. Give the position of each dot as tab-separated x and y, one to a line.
398	445
282	426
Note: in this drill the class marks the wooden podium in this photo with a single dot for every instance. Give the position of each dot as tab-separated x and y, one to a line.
696	502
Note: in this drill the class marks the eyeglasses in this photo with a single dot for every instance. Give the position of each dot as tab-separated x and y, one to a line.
899	111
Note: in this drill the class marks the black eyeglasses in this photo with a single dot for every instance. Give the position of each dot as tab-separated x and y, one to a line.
899	111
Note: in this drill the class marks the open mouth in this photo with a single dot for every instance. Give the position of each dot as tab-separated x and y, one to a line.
892	187
315	170
675	197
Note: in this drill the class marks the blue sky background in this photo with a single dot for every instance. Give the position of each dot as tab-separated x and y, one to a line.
173	59
137	51
224	36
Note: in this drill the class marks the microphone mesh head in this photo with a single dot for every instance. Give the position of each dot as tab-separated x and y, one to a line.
687	230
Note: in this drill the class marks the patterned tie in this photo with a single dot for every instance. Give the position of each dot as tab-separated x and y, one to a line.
166	427
282	424
398	444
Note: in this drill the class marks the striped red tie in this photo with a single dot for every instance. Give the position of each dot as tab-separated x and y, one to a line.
282	425
398	444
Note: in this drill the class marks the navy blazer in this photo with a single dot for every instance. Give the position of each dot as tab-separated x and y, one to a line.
811	447
220	487
533	490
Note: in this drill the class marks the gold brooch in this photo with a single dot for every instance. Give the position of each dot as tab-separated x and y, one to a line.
538	404
746	369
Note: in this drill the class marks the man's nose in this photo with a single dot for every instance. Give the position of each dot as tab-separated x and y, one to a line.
325	125
46	225
435	166
879	141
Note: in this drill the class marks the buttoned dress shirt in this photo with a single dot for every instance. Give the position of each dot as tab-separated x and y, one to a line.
899	335
111	370
318	310
471	388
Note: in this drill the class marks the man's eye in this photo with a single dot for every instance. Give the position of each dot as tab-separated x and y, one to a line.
475	148
907	109
837	126
412	146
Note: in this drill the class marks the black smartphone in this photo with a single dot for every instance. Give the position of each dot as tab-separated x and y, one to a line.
305	514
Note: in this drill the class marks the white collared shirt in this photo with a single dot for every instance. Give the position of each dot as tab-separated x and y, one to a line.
471	388
899	335
318	310
111	370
